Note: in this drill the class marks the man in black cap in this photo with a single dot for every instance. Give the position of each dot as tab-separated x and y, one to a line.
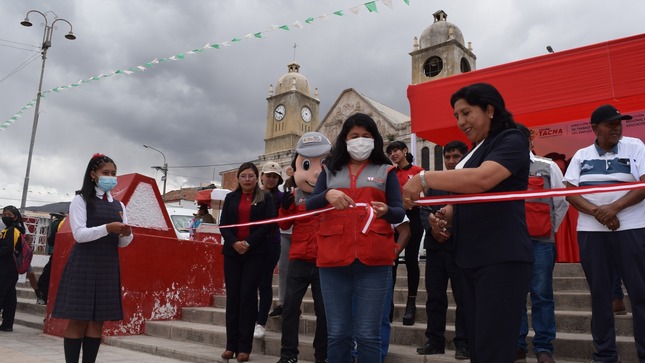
611	227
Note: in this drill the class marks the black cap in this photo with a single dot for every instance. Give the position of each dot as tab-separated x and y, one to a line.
607	113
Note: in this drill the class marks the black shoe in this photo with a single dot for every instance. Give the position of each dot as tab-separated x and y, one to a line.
429	349
7	329
462	353
288	360
410	311
277	311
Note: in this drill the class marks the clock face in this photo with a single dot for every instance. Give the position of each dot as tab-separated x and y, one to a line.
279	112
306	114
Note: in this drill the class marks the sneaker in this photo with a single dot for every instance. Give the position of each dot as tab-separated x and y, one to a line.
40	298
520	356
259	331
619	306
462	353
288	360
277	311
6	329
544	357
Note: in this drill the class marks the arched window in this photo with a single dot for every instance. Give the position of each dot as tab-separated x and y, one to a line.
425	158
433	66
465	65
438	157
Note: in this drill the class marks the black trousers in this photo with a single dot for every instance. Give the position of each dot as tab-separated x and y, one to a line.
300	275
8	300
602	256
441	267
43	280
242	276
411	252
493	297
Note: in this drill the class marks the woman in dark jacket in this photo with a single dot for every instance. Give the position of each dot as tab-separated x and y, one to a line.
10	241
492	245
244	250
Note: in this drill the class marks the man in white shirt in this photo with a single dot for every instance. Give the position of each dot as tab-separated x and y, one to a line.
611	227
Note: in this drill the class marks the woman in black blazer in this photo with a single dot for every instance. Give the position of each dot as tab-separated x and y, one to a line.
244	250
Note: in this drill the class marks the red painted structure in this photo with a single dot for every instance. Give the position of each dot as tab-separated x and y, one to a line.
159	273
553	88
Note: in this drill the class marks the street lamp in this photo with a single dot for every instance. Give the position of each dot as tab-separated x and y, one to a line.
163	168
47	43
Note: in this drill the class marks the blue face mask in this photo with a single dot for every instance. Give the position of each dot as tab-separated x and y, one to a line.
106	183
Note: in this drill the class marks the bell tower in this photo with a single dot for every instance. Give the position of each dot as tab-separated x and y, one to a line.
291	111
440	52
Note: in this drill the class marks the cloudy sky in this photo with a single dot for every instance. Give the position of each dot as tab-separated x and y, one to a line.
209	108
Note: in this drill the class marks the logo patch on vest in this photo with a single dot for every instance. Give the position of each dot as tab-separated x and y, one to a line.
375	180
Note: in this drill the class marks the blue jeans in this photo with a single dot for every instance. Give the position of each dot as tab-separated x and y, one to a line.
542	303
365	287
386	328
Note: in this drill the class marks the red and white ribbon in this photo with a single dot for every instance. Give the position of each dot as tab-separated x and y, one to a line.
467	199
546	193
366	227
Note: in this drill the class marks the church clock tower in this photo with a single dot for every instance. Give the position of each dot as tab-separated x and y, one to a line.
291	111
440	52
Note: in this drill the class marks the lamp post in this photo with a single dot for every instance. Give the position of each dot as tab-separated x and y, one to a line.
163	168
47	43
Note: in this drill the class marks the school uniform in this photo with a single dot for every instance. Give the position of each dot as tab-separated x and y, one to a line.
90	286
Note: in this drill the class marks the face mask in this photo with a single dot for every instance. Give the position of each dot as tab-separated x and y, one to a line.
8	221
106	183
360	148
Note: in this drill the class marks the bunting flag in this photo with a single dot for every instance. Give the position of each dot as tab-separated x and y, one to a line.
370	6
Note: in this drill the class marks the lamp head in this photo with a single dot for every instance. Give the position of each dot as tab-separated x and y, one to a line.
70	36
26	22
549	49
146	146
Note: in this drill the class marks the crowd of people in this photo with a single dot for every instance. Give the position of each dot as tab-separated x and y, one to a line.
494	254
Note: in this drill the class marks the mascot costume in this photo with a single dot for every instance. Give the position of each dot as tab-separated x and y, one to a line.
312	148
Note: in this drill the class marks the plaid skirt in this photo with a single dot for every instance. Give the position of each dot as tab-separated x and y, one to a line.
90	287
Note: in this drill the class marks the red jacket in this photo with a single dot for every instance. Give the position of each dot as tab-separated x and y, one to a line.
303	236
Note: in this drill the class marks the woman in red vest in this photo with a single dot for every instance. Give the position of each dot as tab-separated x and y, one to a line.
355	241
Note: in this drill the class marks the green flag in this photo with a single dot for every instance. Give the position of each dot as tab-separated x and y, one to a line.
371	6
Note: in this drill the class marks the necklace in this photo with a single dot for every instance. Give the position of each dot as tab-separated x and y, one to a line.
248	197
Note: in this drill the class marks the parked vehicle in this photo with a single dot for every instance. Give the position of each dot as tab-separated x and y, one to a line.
181	218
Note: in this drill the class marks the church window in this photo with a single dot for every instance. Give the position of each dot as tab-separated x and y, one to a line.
438	157
433	66
425	158
465	65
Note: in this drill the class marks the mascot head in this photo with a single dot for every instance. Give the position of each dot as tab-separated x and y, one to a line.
312	149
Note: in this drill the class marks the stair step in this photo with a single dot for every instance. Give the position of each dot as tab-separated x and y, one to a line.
30	320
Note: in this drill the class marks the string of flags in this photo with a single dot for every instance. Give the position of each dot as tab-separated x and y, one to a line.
370	7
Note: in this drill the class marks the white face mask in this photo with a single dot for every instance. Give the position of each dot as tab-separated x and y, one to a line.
360	148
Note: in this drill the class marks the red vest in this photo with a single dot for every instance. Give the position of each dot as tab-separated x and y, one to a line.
340	238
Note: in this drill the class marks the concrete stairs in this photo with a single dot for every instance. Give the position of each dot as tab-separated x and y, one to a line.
200	335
